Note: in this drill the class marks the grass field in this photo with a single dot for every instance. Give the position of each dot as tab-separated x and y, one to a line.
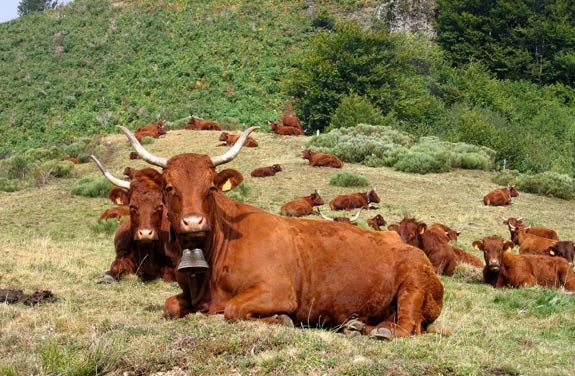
46	242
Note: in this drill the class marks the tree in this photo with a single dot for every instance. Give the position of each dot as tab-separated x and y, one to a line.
30	6
515	39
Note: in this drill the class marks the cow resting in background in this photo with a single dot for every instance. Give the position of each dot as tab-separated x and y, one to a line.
322	159
284	270
376	222
141	243
514	223
202	125
283	130
500	196
503	268
231	139
262	172
302	206
355	200
154	130
292	121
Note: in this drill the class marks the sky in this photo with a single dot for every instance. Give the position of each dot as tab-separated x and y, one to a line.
9	9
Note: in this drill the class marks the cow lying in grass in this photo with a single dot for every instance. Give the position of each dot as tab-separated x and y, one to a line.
500	196
231	139
355	201
503	268
202	125
322	159
514	223
302	206
154	130
262	172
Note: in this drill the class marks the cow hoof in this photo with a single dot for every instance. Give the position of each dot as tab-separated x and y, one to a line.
283	320
353	327
381	333
106	279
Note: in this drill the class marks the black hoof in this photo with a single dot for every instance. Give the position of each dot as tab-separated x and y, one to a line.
381	333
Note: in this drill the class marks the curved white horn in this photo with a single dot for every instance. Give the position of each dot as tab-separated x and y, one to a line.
233	152
324	216
143	153
520	218
512	227
111	178
504	219
356	216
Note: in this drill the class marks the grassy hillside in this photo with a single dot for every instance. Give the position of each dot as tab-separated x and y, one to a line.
47	243
80	69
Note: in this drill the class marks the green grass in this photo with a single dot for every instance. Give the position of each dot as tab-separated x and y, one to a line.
94	329
345	179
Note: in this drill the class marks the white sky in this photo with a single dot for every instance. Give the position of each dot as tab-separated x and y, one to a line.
9	9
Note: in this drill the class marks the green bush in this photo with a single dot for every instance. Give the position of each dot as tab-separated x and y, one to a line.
8	185
92	186
106	226
354	110
420	163
240	193
547	183
17	167
346	179
323	20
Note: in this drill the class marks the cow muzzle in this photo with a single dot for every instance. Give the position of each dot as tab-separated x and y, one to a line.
146	235
493	265
194	224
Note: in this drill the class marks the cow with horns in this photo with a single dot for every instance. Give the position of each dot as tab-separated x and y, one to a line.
304	271
142	242
355	200
352	221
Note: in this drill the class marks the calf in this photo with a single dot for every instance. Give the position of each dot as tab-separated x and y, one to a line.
352	221
376	222
302	206
202	125
284	131
142	242
231	139
354	200
565	249
322	159
503	268
543	232
154	130
262	172
501	196
531	244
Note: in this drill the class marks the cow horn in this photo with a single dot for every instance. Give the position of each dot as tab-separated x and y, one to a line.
111	178
143	153
324	216
356	216
504	219
519	218
233	152
512	227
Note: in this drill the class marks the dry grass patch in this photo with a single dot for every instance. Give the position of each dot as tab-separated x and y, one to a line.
47	243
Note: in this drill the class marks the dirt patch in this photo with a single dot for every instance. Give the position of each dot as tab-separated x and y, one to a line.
17	296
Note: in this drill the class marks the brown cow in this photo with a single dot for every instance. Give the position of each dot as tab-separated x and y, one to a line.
500	196
202	125
543	232
141	242
154	130
302	206
134	155
355	200
451	233
531	244
117	212
565	249
460	254
376	222
285	270
322	159
283	130
352	221
292	121
231	139
262	172
503	268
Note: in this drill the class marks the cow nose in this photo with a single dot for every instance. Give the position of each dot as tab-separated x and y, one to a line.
194	223
146	234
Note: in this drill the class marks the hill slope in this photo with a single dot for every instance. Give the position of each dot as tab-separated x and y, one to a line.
119	328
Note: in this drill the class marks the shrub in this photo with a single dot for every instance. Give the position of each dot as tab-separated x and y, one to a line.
346	179
92	186
420	163
107	226
240	193
8	185
323	20
354	110
17	167
42	172
547	183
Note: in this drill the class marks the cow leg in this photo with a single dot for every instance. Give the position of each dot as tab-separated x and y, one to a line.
120	267
177	306
261	304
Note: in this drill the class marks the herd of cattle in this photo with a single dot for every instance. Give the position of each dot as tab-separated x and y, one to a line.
285	270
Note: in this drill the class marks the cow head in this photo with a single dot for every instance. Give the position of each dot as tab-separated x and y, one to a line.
316	199
273	125
306	154
451	233
411	230
493	248
372	196
564	249
143	195
512	191
379	220
224	136
190	182
277	168
160	128
129	172
513	224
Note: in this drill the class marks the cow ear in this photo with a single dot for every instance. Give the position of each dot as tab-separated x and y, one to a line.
507	246
552	251
421	228
228	179
478	244
393	227
118	196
